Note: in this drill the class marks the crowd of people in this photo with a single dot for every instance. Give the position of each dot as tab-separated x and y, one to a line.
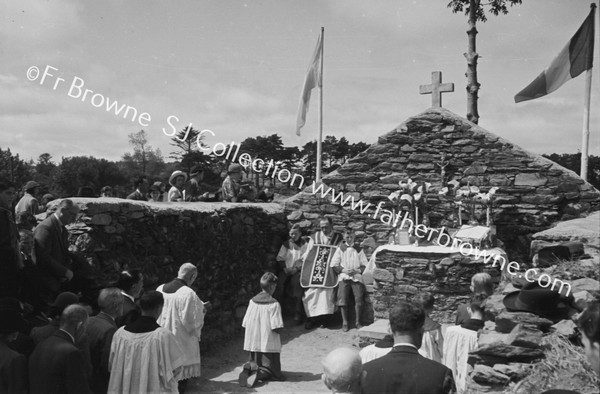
54	337
135	343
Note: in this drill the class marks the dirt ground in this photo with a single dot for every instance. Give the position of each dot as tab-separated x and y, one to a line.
302	351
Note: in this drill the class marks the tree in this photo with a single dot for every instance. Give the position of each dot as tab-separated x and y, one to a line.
357	148
144	159
475	10
189	141
13	168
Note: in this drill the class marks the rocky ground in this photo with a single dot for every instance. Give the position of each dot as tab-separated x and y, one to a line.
300	359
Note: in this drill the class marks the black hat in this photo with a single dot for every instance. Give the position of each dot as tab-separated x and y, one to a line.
538	300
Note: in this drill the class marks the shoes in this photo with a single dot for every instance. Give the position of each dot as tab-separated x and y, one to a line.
345	328
279	378
309	325
248	376
358	326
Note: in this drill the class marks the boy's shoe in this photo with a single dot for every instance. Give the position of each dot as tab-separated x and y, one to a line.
243	378
279	378
345	328
358	326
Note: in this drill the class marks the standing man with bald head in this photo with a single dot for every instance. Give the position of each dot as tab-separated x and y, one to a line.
343	371
51	252
183	314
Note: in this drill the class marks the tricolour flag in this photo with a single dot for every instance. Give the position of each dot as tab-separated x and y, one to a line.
314	77
576	57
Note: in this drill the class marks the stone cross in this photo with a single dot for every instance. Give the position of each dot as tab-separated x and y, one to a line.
436	88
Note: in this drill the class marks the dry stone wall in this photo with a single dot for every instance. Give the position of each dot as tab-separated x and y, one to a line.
232	245
533	193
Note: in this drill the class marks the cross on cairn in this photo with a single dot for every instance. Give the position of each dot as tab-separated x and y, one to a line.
436	88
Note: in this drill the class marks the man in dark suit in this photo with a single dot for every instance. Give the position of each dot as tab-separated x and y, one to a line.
51	252
404	370
141	188
100	330
56	365
131	284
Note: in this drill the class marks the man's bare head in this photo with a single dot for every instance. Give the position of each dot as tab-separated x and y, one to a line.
188	272
342	370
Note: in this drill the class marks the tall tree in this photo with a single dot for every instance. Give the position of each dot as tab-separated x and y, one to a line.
475	10
188	142
145	159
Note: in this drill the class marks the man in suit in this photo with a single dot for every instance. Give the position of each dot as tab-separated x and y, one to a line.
131	284
404	370
100	330
56	365
51	252
141	188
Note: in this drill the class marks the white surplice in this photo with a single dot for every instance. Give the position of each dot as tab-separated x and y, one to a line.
259	321
148	362
183	315
458	342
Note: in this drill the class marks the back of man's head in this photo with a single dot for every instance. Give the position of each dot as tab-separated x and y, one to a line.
72	316
342	370
127	279
406	319
109	300
186	269
150	301
477	305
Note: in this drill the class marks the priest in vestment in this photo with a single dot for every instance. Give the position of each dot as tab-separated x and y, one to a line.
320	301
145	357
183	315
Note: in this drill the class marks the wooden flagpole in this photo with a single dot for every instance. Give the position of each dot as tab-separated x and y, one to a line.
319	144
585	138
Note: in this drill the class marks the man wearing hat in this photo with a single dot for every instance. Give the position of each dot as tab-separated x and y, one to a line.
141	188
13	365
192	190
28	202
177	181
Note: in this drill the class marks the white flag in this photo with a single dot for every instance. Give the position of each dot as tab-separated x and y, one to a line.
314	77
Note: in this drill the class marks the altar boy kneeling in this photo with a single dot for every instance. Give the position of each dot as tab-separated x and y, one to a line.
349	264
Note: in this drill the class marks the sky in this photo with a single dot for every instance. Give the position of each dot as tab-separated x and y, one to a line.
237	67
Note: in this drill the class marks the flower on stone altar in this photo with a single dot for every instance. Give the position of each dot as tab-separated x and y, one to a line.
394	196
454	183
492	191
406	197
444	191
424	187
417	196
474	189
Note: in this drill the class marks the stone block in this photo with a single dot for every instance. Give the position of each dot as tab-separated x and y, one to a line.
110	229
499	180
475	169
462	142
383	275
483	374
295	215
515	371
101	219
353	167
137	215
393	178
508	353
587	284
506	321
530	179
407	289
420	166
494	306
566	328
583	298
525	336
488	337
422	157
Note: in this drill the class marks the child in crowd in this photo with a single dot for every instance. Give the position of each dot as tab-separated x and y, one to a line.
349	264
433	341
480	283
263	322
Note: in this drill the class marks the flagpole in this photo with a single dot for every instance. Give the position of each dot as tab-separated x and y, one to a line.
587	98
319	144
